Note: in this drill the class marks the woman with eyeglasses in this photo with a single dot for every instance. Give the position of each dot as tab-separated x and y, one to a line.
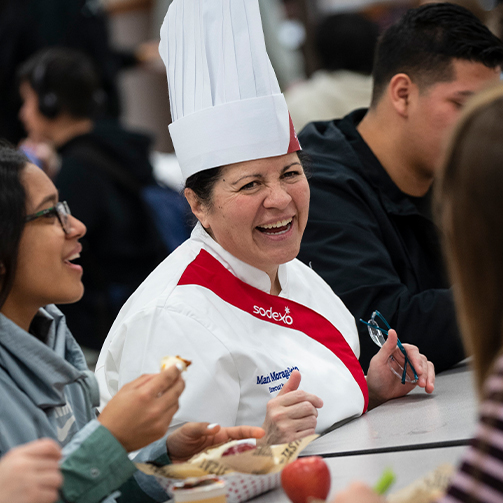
470	212
45	387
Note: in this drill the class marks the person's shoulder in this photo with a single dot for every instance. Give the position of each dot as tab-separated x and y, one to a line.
328	149
152	298
318	133
304	273
312	286
75	163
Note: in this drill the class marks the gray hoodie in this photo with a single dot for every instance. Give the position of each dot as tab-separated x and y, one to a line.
46	390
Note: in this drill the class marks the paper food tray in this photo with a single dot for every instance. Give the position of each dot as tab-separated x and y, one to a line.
427	489
246	474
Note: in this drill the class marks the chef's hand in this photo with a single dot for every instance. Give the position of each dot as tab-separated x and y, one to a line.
358	492
292	414
192	438
30	473
384	385
142	410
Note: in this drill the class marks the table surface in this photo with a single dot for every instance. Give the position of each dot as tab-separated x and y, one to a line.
408	466
445	418
411	435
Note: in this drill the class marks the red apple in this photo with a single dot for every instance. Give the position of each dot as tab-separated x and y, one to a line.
305	478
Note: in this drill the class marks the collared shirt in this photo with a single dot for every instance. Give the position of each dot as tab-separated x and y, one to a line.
47	384
46	390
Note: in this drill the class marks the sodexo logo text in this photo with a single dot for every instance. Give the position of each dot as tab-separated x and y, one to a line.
273	315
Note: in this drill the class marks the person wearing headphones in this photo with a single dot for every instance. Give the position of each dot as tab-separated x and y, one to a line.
101	164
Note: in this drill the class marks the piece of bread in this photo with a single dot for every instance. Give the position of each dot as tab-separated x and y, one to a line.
168	361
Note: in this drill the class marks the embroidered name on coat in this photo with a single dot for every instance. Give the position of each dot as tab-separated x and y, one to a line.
274	376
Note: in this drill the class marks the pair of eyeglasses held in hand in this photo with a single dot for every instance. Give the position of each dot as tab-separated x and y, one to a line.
377	334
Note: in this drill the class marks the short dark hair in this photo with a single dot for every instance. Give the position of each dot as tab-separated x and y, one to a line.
346	42
65	80
12	213
202	184
425	41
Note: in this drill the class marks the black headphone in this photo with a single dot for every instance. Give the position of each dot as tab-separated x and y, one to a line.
48	101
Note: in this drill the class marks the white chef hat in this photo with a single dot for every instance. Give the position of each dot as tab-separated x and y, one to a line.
225	99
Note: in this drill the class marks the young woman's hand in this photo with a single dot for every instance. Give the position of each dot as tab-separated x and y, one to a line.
292	414
30	473
192	438
142	410
384	385
357	492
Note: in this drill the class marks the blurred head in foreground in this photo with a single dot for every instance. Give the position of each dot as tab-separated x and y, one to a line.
470	210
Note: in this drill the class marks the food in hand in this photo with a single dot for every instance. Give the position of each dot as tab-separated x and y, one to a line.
236	449
168	361
306	478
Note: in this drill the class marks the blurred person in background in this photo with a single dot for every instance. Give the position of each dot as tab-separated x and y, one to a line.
102	168
18	40
345	45
370	233
27	26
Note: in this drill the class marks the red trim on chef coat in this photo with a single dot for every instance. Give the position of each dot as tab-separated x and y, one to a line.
294	145
206	271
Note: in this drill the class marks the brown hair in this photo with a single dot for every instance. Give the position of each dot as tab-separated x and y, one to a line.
469	208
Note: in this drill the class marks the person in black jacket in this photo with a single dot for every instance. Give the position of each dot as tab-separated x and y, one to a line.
101	165
27	26
370	234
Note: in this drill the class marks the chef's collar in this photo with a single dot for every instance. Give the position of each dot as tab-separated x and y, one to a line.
243	271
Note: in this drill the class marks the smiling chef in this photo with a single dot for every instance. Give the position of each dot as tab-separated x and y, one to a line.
270	343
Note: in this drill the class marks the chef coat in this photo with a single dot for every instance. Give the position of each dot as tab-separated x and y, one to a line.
207	306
